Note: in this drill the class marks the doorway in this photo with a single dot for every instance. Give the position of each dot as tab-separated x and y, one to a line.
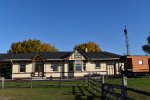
39	69
6	71
110	69
71	70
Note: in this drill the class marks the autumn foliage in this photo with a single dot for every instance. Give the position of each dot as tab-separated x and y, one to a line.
90	46
28	46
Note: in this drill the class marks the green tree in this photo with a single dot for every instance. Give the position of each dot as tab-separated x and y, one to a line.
146	48
90	46
28	46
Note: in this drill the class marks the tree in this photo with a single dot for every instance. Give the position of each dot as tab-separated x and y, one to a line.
146	48
28	46
90	46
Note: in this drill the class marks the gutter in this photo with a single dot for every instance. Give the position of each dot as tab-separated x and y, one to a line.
54	59
15	59
29	59
107	59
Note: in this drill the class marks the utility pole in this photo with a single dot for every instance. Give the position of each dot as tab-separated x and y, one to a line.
127	41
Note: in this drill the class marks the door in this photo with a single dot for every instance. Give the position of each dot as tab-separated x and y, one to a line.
39	69
6	71
110	69
71	70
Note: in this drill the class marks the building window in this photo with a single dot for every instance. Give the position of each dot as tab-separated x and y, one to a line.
78	67
140	62
54	67
97	65
22	67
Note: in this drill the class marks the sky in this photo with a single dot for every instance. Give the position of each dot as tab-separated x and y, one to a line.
66	23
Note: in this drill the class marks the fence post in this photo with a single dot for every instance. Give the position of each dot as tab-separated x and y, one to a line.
103	91
31	81
2	78
123	88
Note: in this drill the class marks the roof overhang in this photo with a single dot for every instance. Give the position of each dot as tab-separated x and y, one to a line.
54	59
107	59
17	60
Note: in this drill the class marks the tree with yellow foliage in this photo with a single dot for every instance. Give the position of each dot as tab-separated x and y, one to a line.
90	46
28	46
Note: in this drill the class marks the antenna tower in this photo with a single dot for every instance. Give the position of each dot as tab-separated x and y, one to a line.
126	40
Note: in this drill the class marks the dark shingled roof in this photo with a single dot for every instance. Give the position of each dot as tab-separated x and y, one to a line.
102	55
45	55
4	56
58	55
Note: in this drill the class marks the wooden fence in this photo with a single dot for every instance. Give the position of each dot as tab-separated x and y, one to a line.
136	91
108	91
113	91
95	84
38	83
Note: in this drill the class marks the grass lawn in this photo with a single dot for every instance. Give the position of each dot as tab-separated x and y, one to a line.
136	83
52	93
79	92
45	90
35	94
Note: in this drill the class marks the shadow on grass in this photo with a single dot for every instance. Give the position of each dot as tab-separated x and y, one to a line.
83	93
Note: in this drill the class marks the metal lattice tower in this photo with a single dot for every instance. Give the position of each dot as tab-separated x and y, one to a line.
126	40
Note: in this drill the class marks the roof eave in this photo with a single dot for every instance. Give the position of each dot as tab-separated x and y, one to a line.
17	59
54	59
106	59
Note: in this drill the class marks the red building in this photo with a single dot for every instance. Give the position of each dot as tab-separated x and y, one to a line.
138	64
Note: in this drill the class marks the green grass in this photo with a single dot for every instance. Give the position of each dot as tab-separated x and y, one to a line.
136	83
37	84
35	94
51	93
46	90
